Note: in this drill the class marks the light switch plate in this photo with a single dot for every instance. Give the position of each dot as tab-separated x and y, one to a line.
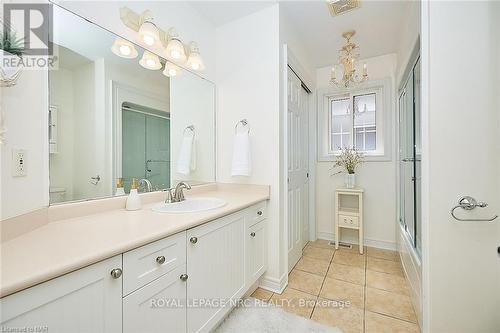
19	163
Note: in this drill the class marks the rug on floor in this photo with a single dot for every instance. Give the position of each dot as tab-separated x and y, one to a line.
263	317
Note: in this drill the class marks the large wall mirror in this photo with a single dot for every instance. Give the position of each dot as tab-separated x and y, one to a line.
113	118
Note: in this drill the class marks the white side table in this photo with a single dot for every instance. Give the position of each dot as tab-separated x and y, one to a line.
349	213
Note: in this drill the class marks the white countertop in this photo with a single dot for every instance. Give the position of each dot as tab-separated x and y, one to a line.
65	245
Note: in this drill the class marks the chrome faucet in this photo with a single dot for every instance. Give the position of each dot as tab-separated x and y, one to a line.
148	187
177	194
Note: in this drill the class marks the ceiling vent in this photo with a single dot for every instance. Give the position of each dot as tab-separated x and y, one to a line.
338	7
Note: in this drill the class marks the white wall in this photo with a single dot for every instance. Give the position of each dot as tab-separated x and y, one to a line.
460	157
247	53
25	111
408	37
190	25
192	102
377	178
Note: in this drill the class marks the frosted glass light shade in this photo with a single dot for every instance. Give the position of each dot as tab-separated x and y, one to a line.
148	33
171	69
194	60
150	61
175	48
123	48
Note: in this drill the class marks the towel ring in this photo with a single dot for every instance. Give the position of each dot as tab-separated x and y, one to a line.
243	123
190	127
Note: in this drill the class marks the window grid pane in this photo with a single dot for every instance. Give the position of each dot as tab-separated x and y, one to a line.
340	123
365	122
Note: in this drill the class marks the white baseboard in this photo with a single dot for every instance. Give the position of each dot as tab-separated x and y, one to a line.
273	284
354	240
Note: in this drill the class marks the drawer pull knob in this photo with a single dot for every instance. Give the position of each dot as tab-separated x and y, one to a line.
259	213
116	273
184	277
160	260
252	234
193	240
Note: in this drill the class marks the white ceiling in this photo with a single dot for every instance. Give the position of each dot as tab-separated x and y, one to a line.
377	23
222	12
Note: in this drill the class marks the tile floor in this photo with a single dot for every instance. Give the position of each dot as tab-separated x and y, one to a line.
373	283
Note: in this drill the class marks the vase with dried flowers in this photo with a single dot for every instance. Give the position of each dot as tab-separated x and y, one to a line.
348	160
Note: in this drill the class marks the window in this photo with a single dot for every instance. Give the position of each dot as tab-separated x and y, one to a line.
353	129
355	119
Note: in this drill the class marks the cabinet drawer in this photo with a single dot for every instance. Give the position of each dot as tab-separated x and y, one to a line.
256	213
160	306
349	221
144	264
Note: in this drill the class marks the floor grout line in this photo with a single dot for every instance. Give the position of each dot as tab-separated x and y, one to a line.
364	285
392	317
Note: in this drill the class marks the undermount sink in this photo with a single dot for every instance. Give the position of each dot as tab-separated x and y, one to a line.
190	205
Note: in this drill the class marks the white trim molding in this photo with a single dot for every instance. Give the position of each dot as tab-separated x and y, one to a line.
384	89
380	244
273	284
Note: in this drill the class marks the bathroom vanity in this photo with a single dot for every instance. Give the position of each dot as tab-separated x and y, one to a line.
169	272
84	263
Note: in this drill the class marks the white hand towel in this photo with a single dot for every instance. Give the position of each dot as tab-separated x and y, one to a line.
242	162
185	156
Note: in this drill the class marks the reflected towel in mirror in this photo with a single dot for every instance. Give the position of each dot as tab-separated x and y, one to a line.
186	161
242	163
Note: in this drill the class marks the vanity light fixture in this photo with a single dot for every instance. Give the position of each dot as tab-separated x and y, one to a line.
175	48
194	60
148	32
123	48
171	69
150	61
168	41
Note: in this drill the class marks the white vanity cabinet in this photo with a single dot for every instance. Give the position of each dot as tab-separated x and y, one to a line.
87	300
255	243
186	282
216	270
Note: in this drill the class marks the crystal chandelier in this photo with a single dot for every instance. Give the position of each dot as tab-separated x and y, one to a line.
348	58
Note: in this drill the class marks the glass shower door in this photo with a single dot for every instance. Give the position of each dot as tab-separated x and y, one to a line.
145	148
409	156
158	151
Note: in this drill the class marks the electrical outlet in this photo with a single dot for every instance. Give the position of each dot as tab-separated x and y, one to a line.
19	163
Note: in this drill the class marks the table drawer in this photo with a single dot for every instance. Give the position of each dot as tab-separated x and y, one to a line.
348	221
149	262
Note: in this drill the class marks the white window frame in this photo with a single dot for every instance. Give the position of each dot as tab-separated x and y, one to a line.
383	119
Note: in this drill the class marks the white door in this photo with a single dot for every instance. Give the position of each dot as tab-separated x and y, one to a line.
298	178
159	306
215	268
87	300
461	156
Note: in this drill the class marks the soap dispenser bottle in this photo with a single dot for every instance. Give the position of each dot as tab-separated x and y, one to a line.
119	187
133	199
